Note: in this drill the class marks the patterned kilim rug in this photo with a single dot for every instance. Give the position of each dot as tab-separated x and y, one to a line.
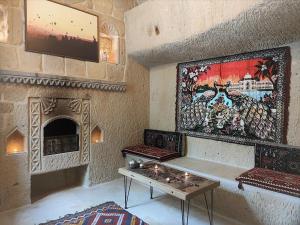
108	213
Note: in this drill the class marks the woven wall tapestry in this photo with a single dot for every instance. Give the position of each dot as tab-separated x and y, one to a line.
239	98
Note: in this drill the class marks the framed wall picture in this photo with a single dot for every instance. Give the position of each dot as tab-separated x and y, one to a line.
56	29
239	98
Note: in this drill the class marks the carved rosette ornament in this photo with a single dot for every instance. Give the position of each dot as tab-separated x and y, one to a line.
48	104
75	105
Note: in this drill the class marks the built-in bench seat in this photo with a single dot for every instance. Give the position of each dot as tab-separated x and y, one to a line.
212	170
252	205
158	145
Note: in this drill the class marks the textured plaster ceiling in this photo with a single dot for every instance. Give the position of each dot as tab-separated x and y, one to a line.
269	24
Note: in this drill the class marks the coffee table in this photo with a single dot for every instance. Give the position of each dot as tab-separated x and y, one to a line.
177	183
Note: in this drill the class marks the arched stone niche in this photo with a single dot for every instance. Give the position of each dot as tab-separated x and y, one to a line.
109	43
15	142
97	135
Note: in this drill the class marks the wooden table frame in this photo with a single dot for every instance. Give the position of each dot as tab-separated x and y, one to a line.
184	197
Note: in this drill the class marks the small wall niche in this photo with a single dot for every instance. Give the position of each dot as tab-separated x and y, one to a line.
15	142
109	44
97	135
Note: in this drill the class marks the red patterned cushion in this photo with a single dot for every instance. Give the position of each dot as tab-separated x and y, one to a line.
272	180
151	152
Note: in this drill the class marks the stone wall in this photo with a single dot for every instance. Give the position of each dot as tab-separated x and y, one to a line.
203	31
121	116
252	206
13	56
162	116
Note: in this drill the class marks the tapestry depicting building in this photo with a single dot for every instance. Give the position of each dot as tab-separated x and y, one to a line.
237	98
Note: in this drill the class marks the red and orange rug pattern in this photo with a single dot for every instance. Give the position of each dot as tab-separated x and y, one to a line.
108	213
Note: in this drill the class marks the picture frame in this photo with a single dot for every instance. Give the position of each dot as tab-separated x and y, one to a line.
60	30
240	98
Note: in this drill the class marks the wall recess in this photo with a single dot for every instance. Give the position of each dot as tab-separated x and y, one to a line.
97	135
109	44
15	142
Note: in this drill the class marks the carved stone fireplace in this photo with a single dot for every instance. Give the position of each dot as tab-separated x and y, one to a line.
59	133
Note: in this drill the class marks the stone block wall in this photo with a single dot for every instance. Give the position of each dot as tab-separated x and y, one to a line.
207	29
121	116
12	45
162	116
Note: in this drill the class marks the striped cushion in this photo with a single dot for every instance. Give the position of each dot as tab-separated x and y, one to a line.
271	180
151	152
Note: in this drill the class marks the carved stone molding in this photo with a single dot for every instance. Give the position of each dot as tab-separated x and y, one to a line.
43	110
59	81
35	135
85	120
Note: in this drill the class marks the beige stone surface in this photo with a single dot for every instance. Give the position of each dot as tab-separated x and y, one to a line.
8	57
6	107
12	58
115	72
85	5
15	26
217	32
14	3
251	202
8	123
162	115
129	116
294	112
96	70
177	19
121	116
118	24
57	162
75	68
53	65
73	1
222	152
3	23
162	97
103	6
29	61
15	191
251	206
120	7
122	51
71	200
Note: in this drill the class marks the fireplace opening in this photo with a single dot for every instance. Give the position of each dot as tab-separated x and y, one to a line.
60	136
47	183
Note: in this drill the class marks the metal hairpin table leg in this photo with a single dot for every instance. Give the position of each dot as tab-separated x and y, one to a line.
151	192
211	211
185	218
126	190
